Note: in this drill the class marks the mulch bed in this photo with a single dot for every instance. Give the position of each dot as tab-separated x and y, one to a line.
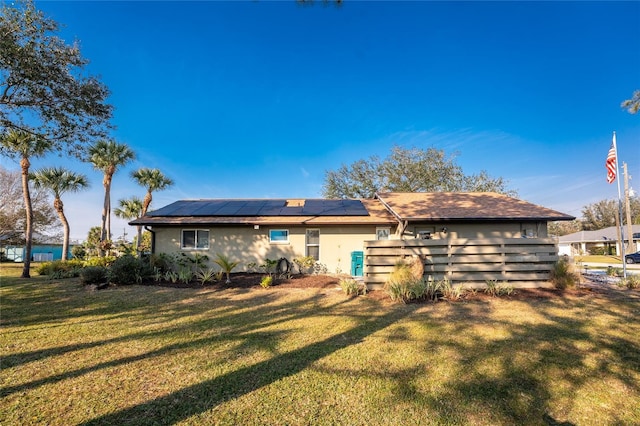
252	280
249	280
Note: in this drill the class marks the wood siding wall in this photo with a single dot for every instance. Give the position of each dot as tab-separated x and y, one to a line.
521	262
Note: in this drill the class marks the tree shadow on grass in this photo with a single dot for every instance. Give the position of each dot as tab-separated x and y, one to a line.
231	318
206	395
531	371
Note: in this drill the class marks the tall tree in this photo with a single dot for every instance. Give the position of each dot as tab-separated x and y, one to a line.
59	181
564	227
632	105
12	210
602	214
131	209
93	241
24	145
44	87
407	170
107	157
152	180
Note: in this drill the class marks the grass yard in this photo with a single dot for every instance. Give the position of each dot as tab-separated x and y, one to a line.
151	355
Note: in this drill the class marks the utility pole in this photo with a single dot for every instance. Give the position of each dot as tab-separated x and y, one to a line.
627	205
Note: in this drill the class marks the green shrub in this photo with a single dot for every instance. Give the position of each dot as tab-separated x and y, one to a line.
269	266
351	287
563	274
492	288
495	290
598	251
451	292
266	282
185	275
193	262
631	282
305	264
93	275
105	261
171	276
129	270
614	272
79	252
60	268
163	262
157	274
404	286
206	275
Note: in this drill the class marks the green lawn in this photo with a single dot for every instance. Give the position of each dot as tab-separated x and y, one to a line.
149	355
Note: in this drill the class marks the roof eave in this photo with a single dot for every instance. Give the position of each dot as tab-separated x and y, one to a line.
489	219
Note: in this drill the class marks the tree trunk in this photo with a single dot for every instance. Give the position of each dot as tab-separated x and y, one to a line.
139	239
105	225
57	204
28	232
146	203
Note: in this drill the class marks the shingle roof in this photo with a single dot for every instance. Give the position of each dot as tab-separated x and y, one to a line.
606	234
465	206
436	206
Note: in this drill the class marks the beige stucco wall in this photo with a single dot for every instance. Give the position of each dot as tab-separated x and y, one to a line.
479	230
248	245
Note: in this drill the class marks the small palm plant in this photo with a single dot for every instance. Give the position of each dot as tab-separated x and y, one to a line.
226	265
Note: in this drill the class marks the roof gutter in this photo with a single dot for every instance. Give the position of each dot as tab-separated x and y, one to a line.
153	239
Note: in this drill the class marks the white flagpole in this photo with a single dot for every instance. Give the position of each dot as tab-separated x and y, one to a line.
624	264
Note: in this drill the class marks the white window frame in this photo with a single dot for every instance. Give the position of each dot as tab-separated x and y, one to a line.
306	242
380	229
285	241
196	239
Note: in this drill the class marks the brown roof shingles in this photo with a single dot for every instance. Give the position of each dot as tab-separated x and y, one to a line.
441	206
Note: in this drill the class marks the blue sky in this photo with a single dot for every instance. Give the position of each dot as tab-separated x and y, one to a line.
259	99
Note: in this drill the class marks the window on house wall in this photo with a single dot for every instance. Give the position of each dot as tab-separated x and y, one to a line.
424	232
195	239
529	231
383	233
313	243
279	236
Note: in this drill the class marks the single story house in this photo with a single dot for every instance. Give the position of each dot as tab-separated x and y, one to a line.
334	231
44	248
39	252
603	241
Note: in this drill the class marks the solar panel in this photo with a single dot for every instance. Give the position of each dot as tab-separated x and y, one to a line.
229	208
262	208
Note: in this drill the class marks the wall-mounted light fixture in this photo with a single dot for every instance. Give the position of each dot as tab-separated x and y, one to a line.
444	230
256	226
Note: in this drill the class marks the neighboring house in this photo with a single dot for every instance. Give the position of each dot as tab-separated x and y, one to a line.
45	248
603	240
39	253
333	231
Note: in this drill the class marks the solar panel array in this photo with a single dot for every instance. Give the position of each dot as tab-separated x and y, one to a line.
262	208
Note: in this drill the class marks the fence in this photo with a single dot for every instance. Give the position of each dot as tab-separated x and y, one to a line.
521	262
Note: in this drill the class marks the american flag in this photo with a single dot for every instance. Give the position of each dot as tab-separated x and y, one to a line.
611	161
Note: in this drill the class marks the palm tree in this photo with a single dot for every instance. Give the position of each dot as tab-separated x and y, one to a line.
60	180
24	145
107	156
226	265
153	180
131	209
